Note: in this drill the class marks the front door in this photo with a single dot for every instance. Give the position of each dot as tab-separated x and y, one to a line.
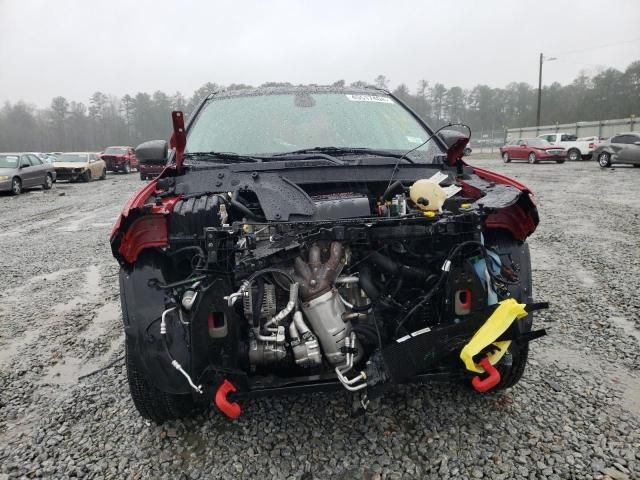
39	170
29	177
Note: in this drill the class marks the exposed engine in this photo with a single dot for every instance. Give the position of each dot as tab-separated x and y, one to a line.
380	286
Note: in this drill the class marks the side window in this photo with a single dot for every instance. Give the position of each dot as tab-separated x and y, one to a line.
35	161
626	139
93	156
521	142
24	161
568	138
615	139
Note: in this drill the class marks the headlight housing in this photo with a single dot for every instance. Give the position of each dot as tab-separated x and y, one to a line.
3	178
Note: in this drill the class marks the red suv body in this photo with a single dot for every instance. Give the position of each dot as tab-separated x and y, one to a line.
120	159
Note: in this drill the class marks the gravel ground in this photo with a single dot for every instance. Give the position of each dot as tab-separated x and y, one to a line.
575	414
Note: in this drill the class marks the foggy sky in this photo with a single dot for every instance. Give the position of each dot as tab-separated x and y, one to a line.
76	47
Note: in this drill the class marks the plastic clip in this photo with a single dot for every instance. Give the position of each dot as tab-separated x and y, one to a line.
230	409
485	384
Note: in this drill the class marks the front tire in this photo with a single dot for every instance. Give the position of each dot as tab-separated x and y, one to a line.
604	160
532	158
151	403
505	157
126	169
16	186
574	155
86	176
143	177
48	182
512	365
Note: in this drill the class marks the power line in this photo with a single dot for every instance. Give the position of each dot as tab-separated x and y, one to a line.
598	47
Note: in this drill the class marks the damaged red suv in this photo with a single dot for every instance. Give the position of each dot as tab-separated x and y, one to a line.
315	238
120	159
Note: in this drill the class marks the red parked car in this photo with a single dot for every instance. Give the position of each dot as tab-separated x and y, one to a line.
120	159
533	150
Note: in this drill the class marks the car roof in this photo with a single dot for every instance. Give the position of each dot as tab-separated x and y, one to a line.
293	89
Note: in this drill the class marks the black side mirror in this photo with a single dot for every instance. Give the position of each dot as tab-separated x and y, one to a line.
153	152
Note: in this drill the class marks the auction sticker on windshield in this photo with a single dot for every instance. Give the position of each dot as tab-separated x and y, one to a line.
368	98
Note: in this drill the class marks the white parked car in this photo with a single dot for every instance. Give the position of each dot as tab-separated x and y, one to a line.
576	148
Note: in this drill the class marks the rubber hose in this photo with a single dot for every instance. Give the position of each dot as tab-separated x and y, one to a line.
395	268
391	189
366	283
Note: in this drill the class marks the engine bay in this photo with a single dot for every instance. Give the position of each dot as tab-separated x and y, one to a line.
377	283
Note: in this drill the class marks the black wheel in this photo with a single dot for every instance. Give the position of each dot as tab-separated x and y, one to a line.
127	168
104	175
560	160
16	186
151	402
636	165
505	157
604	160
512	365
532	158
574	155
86	176
143	177
48	182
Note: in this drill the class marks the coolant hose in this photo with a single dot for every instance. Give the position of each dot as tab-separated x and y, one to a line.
396	269
235	203
366	283
391	189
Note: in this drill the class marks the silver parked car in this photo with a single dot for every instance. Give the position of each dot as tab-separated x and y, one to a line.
621	148
24	170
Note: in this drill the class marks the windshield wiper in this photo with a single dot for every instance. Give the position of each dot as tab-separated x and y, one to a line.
347	151
234	157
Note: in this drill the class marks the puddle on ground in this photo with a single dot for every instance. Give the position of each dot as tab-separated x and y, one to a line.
584	277
30	282
15	345
623	381
92	283
107	318
91	286
627	325
20	426
67	371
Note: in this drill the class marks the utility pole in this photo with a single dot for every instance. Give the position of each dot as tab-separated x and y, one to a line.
542	59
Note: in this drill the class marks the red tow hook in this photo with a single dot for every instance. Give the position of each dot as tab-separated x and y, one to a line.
230	409
493	377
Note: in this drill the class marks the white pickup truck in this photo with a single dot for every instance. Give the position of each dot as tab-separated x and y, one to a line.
576	149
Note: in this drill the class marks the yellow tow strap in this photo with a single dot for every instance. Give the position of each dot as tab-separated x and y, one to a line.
508	311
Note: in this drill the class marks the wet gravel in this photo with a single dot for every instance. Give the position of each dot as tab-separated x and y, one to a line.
575	414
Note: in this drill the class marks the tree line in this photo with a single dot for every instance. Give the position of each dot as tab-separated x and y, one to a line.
109	120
